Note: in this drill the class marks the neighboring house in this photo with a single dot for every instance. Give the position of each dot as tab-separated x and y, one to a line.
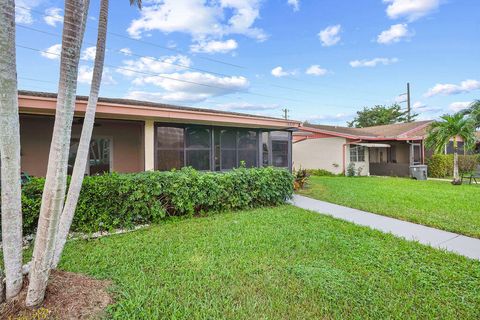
379	150
134	136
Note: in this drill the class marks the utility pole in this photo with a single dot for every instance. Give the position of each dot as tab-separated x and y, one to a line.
408	101
409	110
285	113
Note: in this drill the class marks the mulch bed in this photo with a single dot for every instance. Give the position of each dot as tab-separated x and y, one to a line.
69	296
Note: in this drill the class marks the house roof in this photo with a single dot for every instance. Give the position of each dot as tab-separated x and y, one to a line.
397	131
44	102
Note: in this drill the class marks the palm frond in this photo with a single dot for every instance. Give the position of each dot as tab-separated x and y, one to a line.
449	126
138	3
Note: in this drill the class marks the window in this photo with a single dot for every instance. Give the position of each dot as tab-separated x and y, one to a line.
357	153
198	146
170	148
99	156
279	153
265	149
247	148
217	148
228	149
275	149
416	153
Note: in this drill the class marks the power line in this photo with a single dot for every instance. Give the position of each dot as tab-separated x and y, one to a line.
184	53
145	42
163	76
179	65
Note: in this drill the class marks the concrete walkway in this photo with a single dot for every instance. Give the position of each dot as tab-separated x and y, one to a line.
463	245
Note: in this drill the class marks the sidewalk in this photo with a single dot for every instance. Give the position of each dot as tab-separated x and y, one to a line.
463	245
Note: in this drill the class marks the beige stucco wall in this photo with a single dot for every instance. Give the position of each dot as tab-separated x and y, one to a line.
322	153
149	141
126	137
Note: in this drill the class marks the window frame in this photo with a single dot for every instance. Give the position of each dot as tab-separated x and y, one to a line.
356	154
213	144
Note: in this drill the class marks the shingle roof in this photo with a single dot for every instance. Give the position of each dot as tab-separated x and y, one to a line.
146	104
397	130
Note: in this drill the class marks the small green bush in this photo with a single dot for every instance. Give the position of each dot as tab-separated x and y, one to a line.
321	173
115	200
468	163
300	179
441	165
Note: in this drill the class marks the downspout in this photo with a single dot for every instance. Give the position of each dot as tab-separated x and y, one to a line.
423	151
344	153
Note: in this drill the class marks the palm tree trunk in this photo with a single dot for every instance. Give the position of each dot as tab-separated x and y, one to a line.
83	147
10	154
456	176
56	179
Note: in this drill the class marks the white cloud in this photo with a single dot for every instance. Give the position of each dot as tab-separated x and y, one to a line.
279	72
183	87
245	106
460	105
126	51
330	35
410	9
295	4
421	107
372	62
85	74
396	33
177	85
52	52
334	119
53	16
214	46
148	65
89	54
23	10
199	18
316	70
449	89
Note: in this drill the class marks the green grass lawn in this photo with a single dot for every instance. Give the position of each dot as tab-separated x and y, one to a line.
433	203
280	263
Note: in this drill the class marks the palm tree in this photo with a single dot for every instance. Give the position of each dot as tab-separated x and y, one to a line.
83	148
56	179
451	127
10	154
84	144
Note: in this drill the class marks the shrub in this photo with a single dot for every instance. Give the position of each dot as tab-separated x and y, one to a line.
351	170
300	179
441	165
321	173
468	163
115	200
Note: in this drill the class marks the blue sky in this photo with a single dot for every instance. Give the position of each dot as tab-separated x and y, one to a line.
323	60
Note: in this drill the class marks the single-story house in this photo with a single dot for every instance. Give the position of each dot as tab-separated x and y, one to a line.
135	136
379	150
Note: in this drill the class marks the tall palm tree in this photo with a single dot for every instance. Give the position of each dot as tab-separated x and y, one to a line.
84	144
10	154
83	147
56	179
451	127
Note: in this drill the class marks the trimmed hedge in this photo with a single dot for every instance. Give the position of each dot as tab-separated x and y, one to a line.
321	173
441	165
114	200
